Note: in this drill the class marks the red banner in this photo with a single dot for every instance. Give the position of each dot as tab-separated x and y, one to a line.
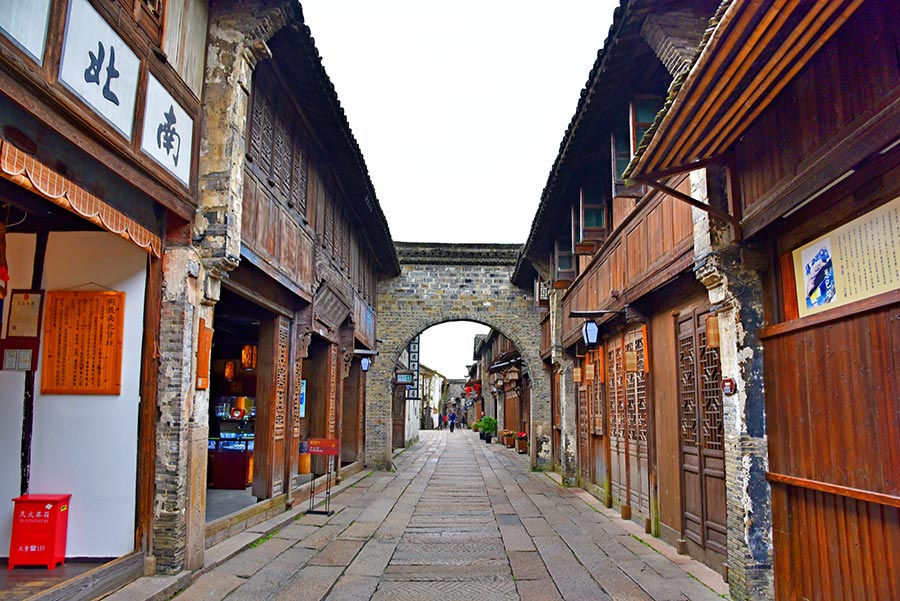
324	446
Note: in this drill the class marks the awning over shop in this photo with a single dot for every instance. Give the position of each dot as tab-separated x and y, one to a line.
29	173
755	50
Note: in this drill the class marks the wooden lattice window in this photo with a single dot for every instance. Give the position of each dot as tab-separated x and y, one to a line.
687	384
597	421
616	392
700	386
711	391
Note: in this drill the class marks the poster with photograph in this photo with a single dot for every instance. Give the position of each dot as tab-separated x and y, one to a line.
858	260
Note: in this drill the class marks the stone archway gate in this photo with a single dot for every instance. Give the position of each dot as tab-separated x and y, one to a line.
439	283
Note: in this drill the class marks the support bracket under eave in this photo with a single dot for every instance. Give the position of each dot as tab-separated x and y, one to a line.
714	211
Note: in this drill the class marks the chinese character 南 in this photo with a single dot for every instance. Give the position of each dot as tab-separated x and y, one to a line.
92	73
166	136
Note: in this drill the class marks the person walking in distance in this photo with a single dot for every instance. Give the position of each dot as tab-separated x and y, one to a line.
452	421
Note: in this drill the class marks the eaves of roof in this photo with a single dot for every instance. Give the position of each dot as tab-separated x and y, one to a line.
295	54
751	51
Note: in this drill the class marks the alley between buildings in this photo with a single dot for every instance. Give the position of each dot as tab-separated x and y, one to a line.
457	520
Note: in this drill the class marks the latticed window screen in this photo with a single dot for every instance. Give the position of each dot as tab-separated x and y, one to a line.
616	392
583	431
711	394
699	387
596	392
687	388
635	393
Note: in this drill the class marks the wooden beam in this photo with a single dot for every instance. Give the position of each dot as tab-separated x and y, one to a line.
835	489
693	202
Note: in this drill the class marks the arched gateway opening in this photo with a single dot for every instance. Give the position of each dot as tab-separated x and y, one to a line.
453	282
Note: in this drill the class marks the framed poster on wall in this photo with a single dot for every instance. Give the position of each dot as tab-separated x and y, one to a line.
856	261
23	326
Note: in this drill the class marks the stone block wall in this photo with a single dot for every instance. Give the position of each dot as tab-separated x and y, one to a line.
440	283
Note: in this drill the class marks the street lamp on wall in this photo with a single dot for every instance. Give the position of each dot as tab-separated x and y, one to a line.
365	363
590	331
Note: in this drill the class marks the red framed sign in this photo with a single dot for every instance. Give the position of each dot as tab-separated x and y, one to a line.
324	446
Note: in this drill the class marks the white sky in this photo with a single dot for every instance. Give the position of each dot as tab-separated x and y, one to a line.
448	347
459	108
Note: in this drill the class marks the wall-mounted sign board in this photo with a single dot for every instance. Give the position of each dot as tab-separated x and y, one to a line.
858	260
82	348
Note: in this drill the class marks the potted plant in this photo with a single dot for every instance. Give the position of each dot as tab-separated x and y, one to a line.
509	438
521	442
488	425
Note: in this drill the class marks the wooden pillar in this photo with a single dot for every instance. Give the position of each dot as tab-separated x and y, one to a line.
271	408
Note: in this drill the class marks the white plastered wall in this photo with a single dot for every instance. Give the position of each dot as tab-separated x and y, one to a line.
85	445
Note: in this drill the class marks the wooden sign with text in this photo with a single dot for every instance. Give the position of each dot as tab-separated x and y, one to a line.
324	446
82	350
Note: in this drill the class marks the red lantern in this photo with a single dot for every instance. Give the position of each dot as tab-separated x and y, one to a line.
477	388
468	391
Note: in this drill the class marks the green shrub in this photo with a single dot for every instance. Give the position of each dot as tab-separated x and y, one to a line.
487	424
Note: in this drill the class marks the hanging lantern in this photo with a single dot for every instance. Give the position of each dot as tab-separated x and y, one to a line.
248	357
576	375
589	372
229	370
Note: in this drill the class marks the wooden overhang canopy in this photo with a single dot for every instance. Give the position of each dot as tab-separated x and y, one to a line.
755	50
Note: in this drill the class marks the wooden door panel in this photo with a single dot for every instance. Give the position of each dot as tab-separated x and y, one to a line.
599	456
282	380
702	450
615	395
584	445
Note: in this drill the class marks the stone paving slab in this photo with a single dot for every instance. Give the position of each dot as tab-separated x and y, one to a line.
311	583
446	591
528	565
352	587
537	590
457	520
372	558
337	553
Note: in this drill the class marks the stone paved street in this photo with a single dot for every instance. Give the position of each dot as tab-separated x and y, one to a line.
458	520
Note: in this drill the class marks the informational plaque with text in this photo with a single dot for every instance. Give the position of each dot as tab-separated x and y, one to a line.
856	261
82	350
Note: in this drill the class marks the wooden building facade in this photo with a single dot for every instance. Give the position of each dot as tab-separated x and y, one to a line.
100	111
235	286
637	416
312	242
801	104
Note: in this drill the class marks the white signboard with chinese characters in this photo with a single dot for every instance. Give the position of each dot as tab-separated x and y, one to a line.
99	67
25	23
168	131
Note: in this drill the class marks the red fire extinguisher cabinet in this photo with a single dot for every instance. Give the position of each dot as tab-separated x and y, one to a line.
39	530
